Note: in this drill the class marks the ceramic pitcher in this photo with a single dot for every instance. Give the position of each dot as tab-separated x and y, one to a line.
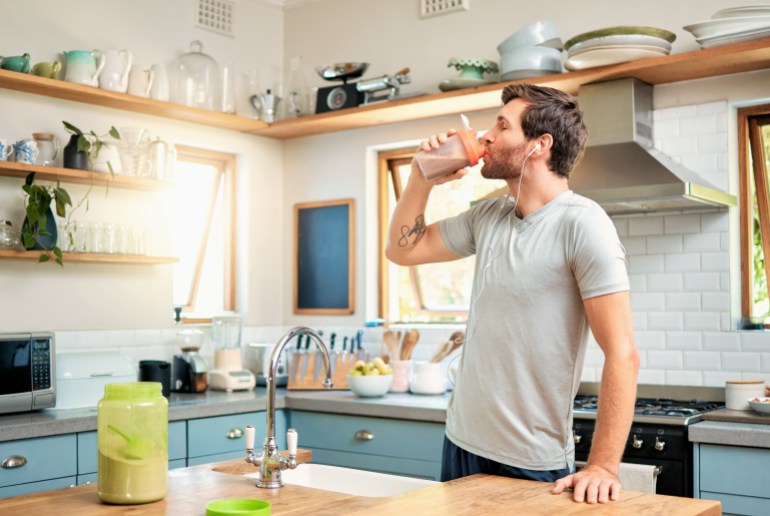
83	66
140	81
114	76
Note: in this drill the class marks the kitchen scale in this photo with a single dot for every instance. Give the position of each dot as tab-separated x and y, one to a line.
348	95
228	373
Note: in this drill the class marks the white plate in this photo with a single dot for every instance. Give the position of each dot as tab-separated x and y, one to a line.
744	10
603	57
651	48
711	28
734	37
620	39
763	406
459	83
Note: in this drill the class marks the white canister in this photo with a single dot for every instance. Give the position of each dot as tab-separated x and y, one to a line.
738	392
427	378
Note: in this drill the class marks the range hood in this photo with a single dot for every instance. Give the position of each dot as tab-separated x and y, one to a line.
621	170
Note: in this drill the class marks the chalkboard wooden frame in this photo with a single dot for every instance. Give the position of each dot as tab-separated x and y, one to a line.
324	265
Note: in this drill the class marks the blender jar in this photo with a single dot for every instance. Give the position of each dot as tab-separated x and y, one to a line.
226	335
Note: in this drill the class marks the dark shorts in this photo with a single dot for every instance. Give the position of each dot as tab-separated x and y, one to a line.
457	463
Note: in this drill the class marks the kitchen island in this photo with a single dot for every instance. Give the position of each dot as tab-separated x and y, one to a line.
190	489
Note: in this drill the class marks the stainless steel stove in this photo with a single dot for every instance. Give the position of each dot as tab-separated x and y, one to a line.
659	431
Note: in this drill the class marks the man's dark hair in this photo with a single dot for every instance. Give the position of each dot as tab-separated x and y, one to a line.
554	112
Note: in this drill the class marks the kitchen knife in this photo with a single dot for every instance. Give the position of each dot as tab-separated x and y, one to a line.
344	349
317	363
361	350
332	353
306	354
352	350
295	358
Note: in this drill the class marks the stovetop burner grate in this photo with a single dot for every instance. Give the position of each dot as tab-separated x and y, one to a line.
667	408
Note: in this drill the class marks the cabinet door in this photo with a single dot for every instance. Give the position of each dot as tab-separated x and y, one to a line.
735	470
37	487
411	448
222	437
45	458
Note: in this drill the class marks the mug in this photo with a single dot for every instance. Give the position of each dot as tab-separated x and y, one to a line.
25	151
427	378
47	147
5	150
16	63
140	81
47	69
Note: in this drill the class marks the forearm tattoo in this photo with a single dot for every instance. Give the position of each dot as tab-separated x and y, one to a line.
418	230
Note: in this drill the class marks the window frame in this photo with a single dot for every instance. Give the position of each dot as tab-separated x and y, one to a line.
225	163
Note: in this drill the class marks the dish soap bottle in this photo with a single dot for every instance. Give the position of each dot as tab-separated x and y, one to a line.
132	435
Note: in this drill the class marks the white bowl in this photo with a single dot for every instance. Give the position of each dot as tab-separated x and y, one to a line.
761	405
370	386
722	26
539	33
531	58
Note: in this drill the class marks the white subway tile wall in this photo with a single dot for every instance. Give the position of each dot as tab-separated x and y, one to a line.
678	269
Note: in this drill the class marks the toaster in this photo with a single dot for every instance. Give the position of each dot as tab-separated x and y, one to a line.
256	358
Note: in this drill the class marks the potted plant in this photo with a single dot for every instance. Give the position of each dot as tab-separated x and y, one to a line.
39	228
83	148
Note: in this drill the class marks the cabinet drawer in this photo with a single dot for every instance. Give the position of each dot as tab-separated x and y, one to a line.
743	505
46	458
223	434
37	487
416	440
88	448
735	470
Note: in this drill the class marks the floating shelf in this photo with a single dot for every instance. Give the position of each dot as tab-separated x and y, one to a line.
90	258
83	177
698	64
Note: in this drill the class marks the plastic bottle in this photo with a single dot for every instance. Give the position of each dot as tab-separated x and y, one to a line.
132	435
461	150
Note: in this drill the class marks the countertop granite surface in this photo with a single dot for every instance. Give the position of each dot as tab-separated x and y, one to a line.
217	403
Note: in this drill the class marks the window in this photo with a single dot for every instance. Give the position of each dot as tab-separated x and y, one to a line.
754	151
203	232
433	292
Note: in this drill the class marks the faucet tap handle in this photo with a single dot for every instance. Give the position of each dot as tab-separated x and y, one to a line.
291	441
250	433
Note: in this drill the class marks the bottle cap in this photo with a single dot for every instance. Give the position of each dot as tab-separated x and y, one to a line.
473	147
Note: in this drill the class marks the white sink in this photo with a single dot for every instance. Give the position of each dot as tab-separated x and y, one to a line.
349	481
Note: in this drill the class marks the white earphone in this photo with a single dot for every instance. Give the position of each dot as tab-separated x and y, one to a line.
535	148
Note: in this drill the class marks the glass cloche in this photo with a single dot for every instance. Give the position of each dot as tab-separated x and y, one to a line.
196	79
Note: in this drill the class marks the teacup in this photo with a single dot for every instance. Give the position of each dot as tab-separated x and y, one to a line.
5	150
25	151
47	69
16	63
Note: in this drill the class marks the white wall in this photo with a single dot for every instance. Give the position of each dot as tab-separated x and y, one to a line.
92	296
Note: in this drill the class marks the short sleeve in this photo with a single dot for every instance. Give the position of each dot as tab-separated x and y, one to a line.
599	261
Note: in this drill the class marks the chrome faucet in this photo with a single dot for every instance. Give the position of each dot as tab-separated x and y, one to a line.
270	462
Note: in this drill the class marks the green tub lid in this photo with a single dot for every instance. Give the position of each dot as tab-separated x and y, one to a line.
239	506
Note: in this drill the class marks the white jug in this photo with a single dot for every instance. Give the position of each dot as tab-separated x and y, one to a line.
84	66
140	81
160	86
114	76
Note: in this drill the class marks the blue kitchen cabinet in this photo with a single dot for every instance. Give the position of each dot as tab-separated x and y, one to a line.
214	439
735	475
88	451
399	447
49	463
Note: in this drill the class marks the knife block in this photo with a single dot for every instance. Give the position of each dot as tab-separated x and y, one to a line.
302	361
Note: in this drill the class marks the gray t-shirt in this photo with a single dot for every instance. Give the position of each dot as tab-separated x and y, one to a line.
527	328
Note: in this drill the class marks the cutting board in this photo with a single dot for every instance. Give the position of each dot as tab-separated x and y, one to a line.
302	376
737	416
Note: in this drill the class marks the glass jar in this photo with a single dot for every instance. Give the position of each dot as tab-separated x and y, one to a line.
9	237
132	434
196	79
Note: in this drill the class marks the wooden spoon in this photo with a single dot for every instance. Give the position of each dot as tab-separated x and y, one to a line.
391	341
441	352
410	341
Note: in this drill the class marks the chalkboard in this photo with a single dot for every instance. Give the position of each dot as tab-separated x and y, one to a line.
324	245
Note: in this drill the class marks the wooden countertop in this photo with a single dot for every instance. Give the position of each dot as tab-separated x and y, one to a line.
190	489
737	416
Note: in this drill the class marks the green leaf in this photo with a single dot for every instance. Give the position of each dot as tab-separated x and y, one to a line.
29	179
61	209
61	193
43	258
29	240
60	262
83	144
72	128
57	251
114	133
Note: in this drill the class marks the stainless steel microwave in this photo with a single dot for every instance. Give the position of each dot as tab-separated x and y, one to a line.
27	372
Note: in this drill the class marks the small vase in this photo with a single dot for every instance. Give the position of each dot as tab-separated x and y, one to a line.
74	158
43	242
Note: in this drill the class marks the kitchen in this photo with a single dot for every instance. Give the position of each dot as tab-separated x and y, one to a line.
691	342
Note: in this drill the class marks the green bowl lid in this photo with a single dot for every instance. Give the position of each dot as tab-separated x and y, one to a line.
239	506
623	30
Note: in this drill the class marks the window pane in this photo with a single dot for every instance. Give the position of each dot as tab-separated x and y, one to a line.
437	292
760	302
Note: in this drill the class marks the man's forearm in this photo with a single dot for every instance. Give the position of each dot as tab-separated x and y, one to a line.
616	411
408	225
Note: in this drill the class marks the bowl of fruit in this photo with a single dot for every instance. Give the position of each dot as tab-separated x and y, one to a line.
370	379
761	405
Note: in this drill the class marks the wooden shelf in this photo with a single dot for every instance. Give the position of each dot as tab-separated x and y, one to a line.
729	59
83	177
698	64
90	258
60	89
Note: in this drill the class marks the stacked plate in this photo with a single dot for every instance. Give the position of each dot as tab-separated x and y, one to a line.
614	45
733	25
531	51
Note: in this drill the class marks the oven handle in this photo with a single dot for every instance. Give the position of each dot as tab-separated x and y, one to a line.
580	464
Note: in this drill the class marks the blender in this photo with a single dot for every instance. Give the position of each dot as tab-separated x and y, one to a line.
189	369
228	373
